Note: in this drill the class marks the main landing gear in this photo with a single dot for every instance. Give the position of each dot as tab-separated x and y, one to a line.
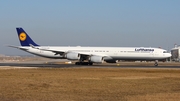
83	63
156	63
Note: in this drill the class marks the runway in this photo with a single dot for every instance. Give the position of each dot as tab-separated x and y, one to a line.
64	65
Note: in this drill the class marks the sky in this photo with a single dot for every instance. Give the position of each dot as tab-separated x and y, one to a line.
116	23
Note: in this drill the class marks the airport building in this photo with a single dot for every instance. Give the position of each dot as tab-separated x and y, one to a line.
175	53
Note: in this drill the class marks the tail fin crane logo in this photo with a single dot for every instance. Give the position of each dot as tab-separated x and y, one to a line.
22	36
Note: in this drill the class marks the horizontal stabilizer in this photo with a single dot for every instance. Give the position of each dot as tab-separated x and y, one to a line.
18	47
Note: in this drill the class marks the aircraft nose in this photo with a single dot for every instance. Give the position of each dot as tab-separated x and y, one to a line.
169	55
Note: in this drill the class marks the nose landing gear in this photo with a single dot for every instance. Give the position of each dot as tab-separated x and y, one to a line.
156	63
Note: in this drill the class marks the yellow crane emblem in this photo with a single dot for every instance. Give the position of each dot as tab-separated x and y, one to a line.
22	36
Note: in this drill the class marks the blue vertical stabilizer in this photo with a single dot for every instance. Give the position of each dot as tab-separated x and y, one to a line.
24	39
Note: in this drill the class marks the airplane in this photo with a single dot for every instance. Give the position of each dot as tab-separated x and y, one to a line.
90	55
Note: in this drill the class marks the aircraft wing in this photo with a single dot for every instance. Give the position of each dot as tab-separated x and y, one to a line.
61	52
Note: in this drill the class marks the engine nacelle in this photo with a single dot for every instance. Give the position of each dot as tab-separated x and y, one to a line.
73	56
96	59
112	61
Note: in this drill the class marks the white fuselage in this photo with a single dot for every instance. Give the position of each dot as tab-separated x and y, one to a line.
109	53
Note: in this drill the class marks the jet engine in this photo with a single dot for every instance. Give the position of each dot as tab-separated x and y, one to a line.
112	61
96	59
73	56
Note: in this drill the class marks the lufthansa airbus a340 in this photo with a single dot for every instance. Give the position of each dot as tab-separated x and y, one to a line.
90	55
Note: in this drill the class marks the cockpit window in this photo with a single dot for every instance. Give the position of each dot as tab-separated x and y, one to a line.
164	51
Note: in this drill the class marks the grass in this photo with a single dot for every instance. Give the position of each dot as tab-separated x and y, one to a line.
89	84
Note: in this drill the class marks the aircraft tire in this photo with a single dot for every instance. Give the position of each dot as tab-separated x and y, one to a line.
90	63
83	63
156	64
77	63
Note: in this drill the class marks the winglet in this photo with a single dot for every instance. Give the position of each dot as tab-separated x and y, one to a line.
24	39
